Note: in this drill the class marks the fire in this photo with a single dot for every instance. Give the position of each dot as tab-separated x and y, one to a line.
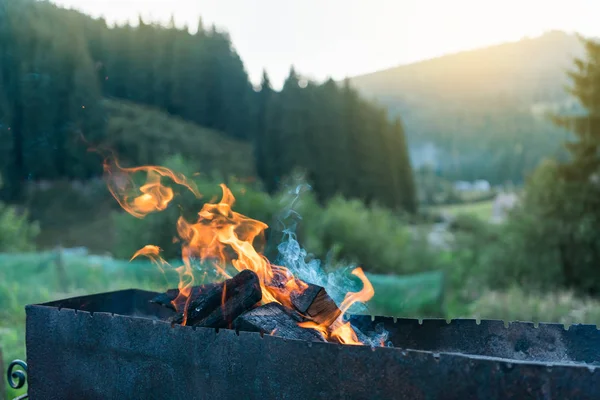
155	196
221	237
334	328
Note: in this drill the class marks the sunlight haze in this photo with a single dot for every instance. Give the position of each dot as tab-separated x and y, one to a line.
341	38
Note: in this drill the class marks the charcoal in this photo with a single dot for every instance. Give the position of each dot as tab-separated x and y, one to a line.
275	319
222	303
315	303
166	299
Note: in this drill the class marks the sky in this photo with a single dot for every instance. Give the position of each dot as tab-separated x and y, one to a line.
340	38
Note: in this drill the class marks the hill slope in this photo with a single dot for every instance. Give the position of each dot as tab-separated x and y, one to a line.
147	136
479	114
150	135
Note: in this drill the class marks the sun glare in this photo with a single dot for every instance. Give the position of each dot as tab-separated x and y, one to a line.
384	33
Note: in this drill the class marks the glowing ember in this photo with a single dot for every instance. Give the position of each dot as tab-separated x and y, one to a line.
221	237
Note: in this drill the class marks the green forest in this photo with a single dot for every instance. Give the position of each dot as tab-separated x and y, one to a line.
60	66
322	159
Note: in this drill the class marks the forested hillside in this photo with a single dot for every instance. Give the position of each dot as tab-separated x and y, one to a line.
58	66
481	113
147	134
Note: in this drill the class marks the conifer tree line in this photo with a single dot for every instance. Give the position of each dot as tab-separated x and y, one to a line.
56	67
584	165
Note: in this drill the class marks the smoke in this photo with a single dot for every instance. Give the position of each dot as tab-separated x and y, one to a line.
309	269
302	264
336	284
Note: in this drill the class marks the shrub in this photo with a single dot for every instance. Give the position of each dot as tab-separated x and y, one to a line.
71	214
17	232
371	236
516	304
551	239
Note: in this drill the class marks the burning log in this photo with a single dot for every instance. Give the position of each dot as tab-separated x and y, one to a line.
275	319
217	305
167	298
315	303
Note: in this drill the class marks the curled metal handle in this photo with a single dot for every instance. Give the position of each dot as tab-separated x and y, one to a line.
17	378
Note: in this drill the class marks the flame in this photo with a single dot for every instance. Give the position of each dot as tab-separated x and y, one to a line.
218	230
334	328
221	237
155	196
186	276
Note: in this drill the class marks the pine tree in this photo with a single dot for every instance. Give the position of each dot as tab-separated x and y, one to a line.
261	137
585	151
329	141
294	121
406	198
50	94
567	202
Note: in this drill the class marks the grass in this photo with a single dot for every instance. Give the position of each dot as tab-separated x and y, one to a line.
482	209
415	295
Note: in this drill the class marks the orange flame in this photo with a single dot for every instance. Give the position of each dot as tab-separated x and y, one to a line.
334	328
221	237
155	196
186	275
219	232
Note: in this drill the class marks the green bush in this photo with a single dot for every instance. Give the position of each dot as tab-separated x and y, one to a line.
347	231
466	261
517	304
71	214
17	232
551	240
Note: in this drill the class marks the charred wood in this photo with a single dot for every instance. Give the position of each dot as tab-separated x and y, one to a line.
275	319
315	303
167	298
222	303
